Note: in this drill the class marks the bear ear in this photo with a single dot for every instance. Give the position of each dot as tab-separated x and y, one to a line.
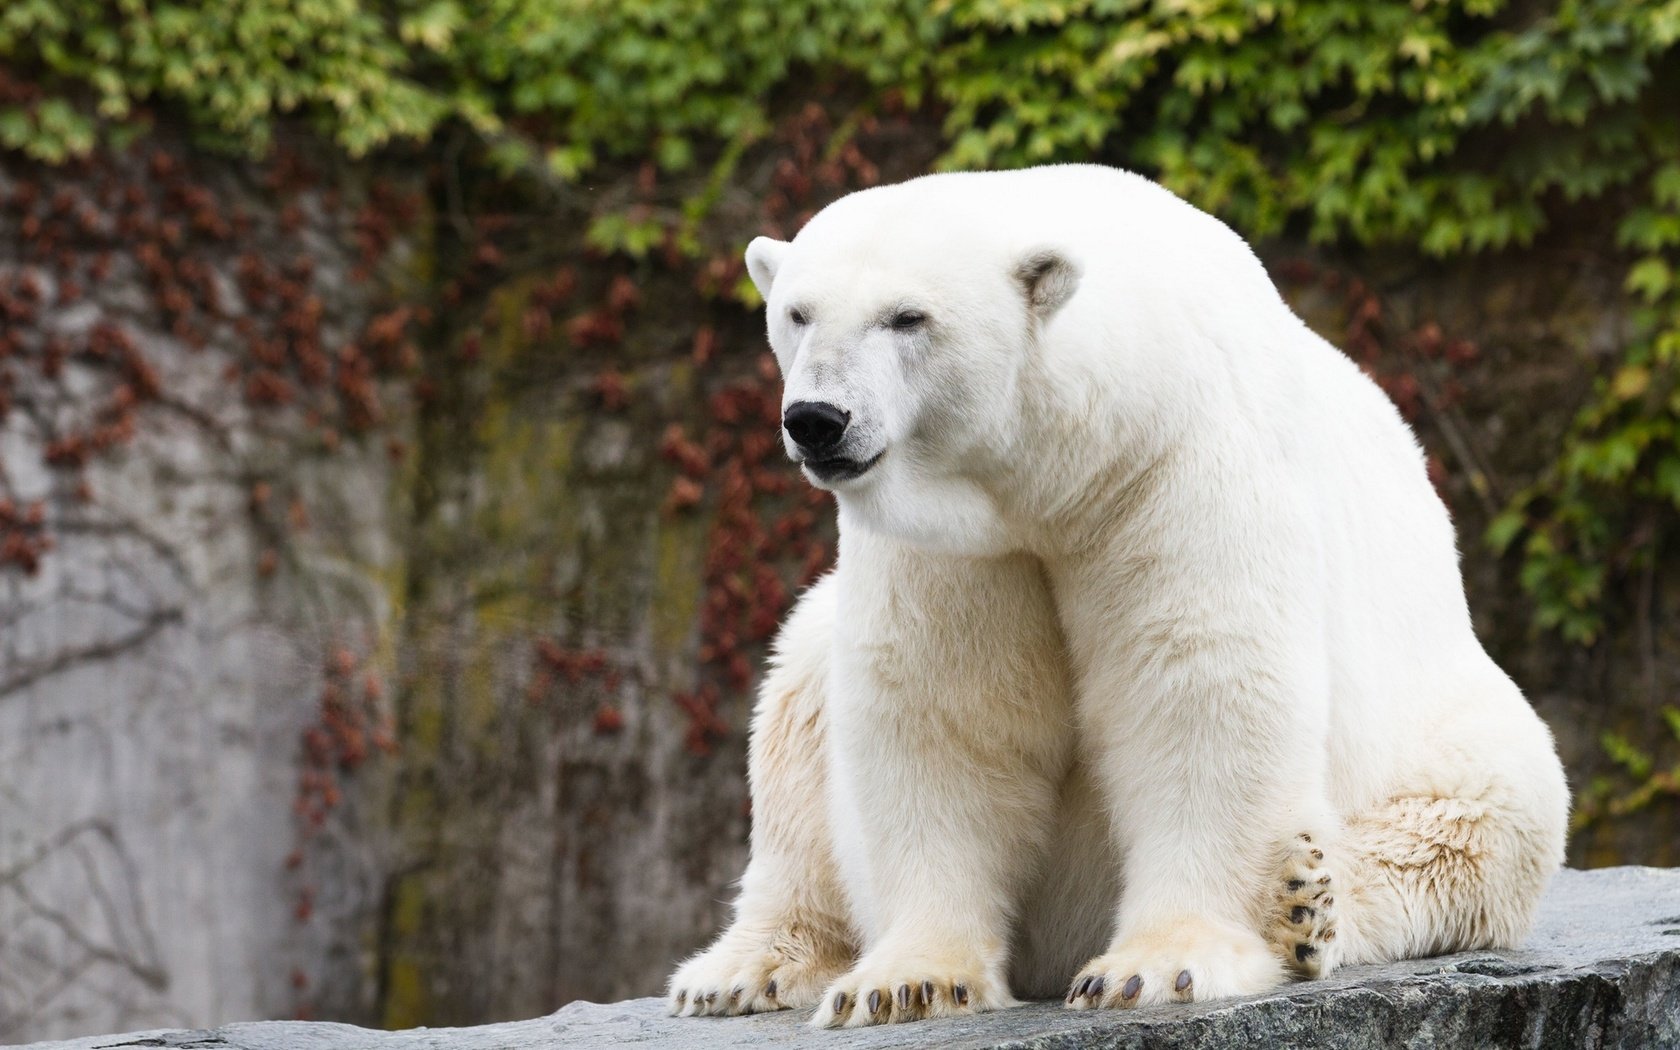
764	258
1048	279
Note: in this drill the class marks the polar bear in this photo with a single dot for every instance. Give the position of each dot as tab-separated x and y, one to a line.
1146	662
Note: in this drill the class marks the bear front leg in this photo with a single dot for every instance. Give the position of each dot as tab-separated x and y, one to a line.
792	933
1199	811
951	733
1207	730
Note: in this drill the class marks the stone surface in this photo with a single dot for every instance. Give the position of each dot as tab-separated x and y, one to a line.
1602	969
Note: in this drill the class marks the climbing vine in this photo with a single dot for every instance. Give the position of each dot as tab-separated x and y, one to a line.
1637	781
1598	511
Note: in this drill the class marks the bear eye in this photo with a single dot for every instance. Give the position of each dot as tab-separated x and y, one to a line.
908	320
797	316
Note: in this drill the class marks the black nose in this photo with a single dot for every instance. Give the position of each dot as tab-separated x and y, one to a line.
815	426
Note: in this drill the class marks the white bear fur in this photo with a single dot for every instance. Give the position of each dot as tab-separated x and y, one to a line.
1147	653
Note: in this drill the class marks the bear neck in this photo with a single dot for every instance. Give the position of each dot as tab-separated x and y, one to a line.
1093	446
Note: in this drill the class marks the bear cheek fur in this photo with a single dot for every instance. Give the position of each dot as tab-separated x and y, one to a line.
953	417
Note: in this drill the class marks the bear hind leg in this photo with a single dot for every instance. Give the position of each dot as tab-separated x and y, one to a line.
1455	867
1436	875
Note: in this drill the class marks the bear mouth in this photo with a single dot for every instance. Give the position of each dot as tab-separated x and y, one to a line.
840	468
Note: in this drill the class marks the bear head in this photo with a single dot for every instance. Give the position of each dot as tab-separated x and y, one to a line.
903	335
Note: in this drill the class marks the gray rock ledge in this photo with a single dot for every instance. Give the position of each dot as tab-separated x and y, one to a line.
1601	970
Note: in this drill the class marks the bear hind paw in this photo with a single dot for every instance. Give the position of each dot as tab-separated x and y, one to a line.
1305	915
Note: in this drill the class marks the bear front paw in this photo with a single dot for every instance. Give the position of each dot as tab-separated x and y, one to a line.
1183	960
894	991
729	980
1305	916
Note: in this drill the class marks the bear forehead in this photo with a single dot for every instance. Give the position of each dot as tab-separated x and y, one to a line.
871	247
861	267
894	221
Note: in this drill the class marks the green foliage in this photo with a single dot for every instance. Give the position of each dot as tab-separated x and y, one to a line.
231	68
1637	783
586	78
1601	504
1434	124
1450	126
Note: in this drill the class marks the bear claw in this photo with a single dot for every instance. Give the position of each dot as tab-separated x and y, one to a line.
741	976
866	996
